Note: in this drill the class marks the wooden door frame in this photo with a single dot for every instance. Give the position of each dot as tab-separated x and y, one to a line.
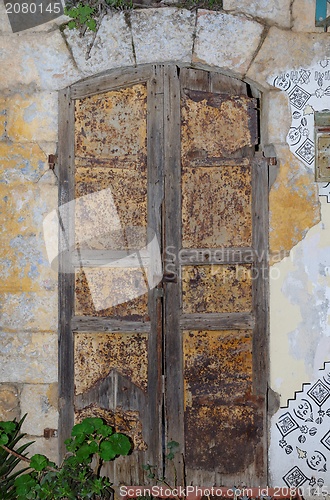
163	114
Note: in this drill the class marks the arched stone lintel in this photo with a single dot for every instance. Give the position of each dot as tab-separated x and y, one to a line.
204	38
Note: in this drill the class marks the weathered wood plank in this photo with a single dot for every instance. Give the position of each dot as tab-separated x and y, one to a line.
155	165
174	389
66	279
112	80
220	83
194	79
111	258
261	306
103	324
197	79
124	259
219	162
217	321
261	281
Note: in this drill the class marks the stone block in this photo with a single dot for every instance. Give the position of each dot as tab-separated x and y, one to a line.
274	12
24	208
35	401
32	117
27	357
303	16
27	310
112	47
9	402
24	267
21	163
284	50
163	34
4	20
226	41
42	446
24	264
39	59
277	114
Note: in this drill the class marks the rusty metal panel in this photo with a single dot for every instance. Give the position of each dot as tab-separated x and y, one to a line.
227	439
114	217
216	207
217	366
112	127
216	125
111	169
219	401
99	354
111	292
216	289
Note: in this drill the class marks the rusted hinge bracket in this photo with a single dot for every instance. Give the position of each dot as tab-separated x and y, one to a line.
52	160
270	155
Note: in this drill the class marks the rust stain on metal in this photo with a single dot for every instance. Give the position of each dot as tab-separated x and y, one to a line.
216	207
217	365
111	154
126	421
128	189
111	292
216	288
227	438
98	354
219	400
216	124
112	126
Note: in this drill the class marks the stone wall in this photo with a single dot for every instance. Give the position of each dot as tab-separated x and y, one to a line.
260	41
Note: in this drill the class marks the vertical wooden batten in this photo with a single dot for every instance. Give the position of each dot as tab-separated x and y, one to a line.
260	210
155	165
174	408
66	276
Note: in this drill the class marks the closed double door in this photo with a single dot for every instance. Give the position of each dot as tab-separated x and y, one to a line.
163	281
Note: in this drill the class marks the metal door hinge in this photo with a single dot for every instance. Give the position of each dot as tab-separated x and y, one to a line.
52	160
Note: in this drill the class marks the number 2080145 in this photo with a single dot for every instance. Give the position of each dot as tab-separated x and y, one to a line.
33	8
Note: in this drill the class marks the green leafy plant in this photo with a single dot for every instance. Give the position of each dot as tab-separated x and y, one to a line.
92	443
10	435
83	16
173	447
88	14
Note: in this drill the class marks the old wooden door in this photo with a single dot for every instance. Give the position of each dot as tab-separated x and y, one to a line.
163	289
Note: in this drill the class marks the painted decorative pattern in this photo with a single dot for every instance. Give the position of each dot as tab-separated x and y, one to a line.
308	90
301	437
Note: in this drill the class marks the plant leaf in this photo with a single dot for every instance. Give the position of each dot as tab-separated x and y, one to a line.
39	462
120	443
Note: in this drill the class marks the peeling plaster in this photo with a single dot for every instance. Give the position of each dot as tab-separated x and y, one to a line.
294	207
293	204
303	293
